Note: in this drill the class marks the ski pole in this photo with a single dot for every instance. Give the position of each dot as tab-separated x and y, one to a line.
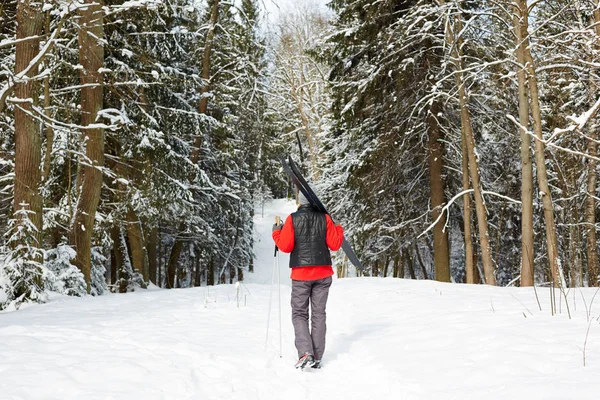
279	296
278	222
275	265
270	301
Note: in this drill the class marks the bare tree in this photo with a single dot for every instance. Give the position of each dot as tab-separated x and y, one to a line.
472	275
453	31
526	165
301	76
540	158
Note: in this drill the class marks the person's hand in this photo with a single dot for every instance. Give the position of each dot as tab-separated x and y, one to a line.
278	225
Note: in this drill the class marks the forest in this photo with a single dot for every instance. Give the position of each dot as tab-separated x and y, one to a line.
454	140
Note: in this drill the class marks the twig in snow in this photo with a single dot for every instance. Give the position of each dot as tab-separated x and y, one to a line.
587	333
515	297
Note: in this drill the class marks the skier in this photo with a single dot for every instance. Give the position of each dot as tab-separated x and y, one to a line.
308	235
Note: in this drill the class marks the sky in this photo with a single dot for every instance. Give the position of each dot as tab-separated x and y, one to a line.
275	7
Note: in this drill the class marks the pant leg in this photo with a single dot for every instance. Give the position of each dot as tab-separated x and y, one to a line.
300	298
318	303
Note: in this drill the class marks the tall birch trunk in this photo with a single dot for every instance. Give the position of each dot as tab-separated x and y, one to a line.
472	275
526	165
540	158
482	222
28	144
91	58
465	118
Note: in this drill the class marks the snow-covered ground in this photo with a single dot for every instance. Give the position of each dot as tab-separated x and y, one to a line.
387	339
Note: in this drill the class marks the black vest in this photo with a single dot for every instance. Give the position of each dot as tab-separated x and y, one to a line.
310	232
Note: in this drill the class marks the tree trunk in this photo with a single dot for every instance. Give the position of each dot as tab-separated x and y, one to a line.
198	277
421	263
47	104
240	274
441	252
120	252
160	260
386	264
469	266
136	242
526	166
409	265
478	277
152	258
540	158
205	74
574	247
91	58
465	118
210	278
251	263
113	267
590	202
28	145
172	264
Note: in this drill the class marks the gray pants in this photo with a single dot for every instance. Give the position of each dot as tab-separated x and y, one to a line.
316	292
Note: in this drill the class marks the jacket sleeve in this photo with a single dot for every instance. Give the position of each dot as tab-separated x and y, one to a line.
284	237
335	234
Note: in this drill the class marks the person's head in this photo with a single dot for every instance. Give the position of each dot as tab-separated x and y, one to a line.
302	200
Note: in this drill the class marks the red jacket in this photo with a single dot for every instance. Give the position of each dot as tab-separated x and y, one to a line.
284	239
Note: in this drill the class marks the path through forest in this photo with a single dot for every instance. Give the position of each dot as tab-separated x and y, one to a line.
387	339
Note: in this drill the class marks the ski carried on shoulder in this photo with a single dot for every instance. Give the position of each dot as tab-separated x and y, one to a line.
292	170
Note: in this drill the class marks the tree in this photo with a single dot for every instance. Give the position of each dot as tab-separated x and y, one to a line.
590	206
540	157
526	166
26	240
385	61
453	31
202	108
91	58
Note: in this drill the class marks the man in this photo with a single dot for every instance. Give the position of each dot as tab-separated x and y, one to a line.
308	235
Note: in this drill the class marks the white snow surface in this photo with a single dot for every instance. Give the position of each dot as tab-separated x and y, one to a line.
387	339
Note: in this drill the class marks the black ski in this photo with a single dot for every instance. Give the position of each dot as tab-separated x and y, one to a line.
296	176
